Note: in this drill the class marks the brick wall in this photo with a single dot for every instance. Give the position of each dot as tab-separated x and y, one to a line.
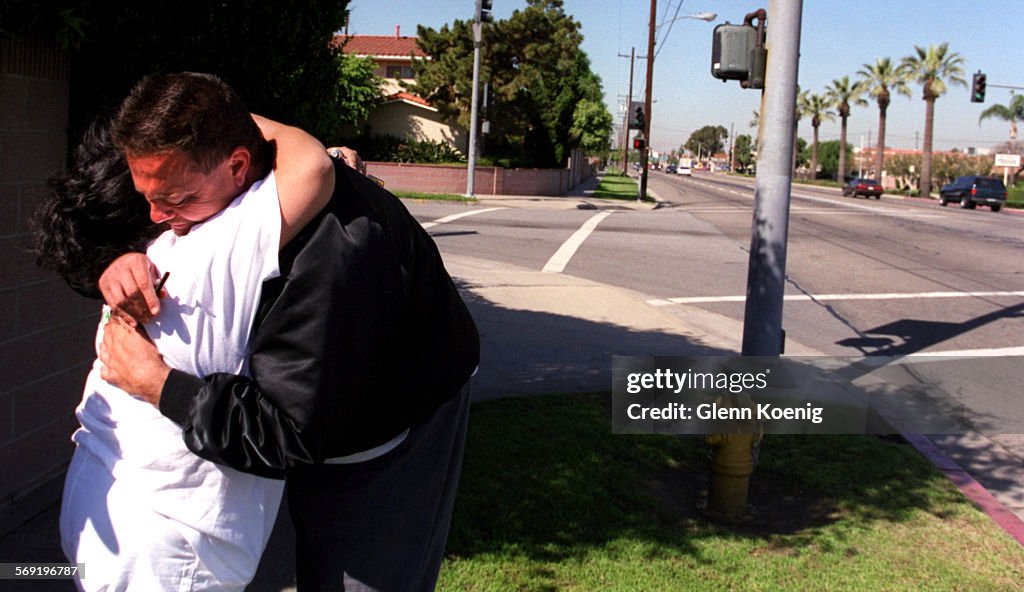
46	330
486	180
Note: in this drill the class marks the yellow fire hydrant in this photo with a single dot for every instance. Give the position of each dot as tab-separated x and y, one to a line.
732	463
733	457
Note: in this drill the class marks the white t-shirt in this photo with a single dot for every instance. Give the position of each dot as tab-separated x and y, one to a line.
216	273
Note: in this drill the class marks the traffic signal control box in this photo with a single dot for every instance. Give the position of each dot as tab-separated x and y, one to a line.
732	48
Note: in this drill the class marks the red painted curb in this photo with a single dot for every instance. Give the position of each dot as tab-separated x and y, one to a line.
970	487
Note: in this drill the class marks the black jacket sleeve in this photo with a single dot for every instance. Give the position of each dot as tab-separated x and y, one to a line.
363	335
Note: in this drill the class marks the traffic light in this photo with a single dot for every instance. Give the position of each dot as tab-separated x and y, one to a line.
978	87
483	11
639	119
639	143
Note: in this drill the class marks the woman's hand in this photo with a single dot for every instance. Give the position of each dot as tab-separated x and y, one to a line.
349	156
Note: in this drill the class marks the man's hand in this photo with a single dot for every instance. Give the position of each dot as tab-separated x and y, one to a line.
127	285
131	362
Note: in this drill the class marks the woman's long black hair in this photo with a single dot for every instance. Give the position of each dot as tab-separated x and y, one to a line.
92	215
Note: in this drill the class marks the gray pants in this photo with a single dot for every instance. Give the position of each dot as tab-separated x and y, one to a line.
382	524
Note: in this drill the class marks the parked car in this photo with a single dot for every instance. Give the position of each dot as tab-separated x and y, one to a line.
671	169
866	187
684	170
972	190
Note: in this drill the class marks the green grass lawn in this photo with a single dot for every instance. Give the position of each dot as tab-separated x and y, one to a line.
1015	197
434	196
616	186
550	499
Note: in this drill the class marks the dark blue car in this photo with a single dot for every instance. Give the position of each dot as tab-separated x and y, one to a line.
972	190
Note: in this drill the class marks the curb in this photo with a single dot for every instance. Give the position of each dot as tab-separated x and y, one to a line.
969	486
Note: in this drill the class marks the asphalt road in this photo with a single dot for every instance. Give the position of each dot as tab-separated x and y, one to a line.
865	277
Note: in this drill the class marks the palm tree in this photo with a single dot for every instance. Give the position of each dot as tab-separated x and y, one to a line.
931	68
841	92
878	80
1012	112
817	106
798	113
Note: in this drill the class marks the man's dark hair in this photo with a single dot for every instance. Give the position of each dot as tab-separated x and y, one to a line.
195	114
93	214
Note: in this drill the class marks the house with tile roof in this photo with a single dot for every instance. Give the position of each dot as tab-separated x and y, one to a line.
401	113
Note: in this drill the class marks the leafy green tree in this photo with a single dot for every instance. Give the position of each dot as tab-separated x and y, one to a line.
801	155
817	107
278	55
931	68
899	167
707	140
841	92
878	80
829	157
744	151
798	114
1011	112
592	127
950	165
538	71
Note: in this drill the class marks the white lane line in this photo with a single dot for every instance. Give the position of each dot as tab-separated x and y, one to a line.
454	217
564	253
833	297
942	356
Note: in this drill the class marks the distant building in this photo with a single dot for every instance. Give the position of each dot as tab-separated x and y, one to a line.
402	113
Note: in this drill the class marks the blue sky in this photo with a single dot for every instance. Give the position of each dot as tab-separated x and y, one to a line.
837	39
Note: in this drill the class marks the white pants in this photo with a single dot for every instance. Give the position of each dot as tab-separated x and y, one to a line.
108	526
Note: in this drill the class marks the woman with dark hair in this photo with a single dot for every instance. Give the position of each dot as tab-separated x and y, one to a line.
93	214
139	508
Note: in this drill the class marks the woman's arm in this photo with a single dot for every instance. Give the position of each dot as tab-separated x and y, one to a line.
305	175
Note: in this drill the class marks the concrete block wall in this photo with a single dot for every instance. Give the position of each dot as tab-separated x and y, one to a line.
46	330
486	180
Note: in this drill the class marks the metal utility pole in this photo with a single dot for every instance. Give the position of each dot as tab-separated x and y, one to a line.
481	15
629	103
762	323
474	109
647	100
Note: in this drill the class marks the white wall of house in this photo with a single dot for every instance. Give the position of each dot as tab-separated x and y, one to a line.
407	120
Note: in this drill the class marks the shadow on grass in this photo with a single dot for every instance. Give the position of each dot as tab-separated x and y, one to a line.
545	478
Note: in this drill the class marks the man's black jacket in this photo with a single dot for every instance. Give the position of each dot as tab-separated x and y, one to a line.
363	335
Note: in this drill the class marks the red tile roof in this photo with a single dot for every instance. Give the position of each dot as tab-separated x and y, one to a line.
380	45
409	97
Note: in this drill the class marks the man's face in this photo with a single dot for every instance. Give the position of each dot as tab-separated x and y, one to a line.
181	195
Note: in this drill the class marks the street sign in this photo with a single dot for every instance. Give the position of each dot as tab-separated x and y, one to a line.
1007	160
